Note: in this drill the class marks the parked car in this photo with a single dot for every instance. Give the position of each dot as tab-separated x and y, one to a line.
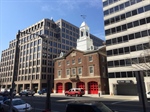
42	91
87	106
14	92
75	92
4	93
27	93
18	105
7	92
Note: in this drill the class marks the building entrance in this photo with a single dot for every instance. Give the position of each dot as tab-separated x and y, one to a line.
59	87
126	89
93	87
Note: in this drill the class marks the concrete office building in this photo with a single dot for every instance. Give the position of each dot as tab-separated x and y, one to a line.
127	30
36	55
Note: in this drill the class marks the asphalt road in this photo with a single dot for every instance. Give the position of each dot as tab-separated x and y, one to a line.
58	103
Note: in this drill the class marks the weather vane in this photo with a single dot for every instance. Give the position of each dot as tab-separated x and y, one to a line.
83	16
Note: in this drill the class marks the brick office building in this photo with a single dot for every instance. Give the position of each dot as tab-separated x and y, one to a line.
83	67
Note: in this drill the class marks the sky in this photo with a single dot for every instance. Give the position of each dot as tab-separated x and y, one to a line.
19	14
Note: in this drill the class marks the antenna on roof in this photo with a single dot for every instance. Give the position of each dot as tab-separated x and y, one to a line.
83	16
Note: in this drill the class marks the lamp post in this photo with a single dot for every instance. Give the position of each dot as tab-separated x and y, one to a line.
15	72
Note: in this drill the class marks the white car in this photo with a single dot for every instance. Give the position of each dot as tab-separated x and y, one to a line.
148	95
18	105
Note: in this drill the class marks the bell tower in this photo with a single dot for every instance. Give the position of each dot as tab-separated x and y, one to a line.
84	42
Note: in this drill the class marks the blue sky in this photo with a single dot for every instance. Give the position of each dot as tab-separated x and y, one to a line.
19	14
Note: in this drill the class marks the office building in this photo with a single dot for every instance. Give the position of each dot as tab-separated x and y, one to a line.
35	59
127	30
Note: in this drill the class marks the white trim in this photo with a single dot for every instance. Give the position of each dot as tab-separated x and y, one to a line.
80	78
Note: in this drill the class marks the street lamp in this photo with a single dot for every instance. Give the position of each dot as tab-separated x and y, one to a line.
15	72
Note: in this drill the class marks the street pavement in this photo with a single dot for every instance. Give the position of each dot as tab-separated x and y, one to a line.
59	101
101	96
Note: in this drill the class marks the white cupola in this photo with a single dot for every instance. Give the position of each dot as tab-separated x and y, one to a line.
84	42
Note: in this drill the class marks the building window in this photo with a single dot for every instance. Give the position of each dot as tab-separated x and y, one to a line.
68	63
91	70
59	63
80	71
90	58
81	33
68	72
59	73
79	60
73	71
73	61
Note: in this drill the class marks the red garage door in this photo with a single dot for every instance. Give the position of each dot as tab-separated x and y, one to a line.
59	88
81	85
68	86
93	87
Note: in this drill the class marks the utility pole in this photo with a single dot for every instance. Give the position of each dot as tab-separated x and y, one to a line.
49	90
15	69
48	96
141	90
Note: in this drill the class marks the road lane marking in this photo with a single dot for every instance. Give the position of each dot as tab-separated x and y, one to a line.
123	101
64	100
119	102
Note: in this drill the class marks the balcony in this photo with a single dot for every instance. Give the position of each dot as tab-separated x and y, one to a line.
74	78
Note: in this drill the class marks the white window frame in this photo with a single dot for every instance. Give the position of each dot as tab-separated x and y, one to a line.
73	61
59	73
79	69
59	63
68	62
79	60
72	71
90	70
67	72
90	58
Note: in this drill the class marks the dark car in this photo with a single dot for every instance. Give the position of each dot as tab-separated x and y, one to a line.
27	93
42	91
7	93
87	106
4	93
